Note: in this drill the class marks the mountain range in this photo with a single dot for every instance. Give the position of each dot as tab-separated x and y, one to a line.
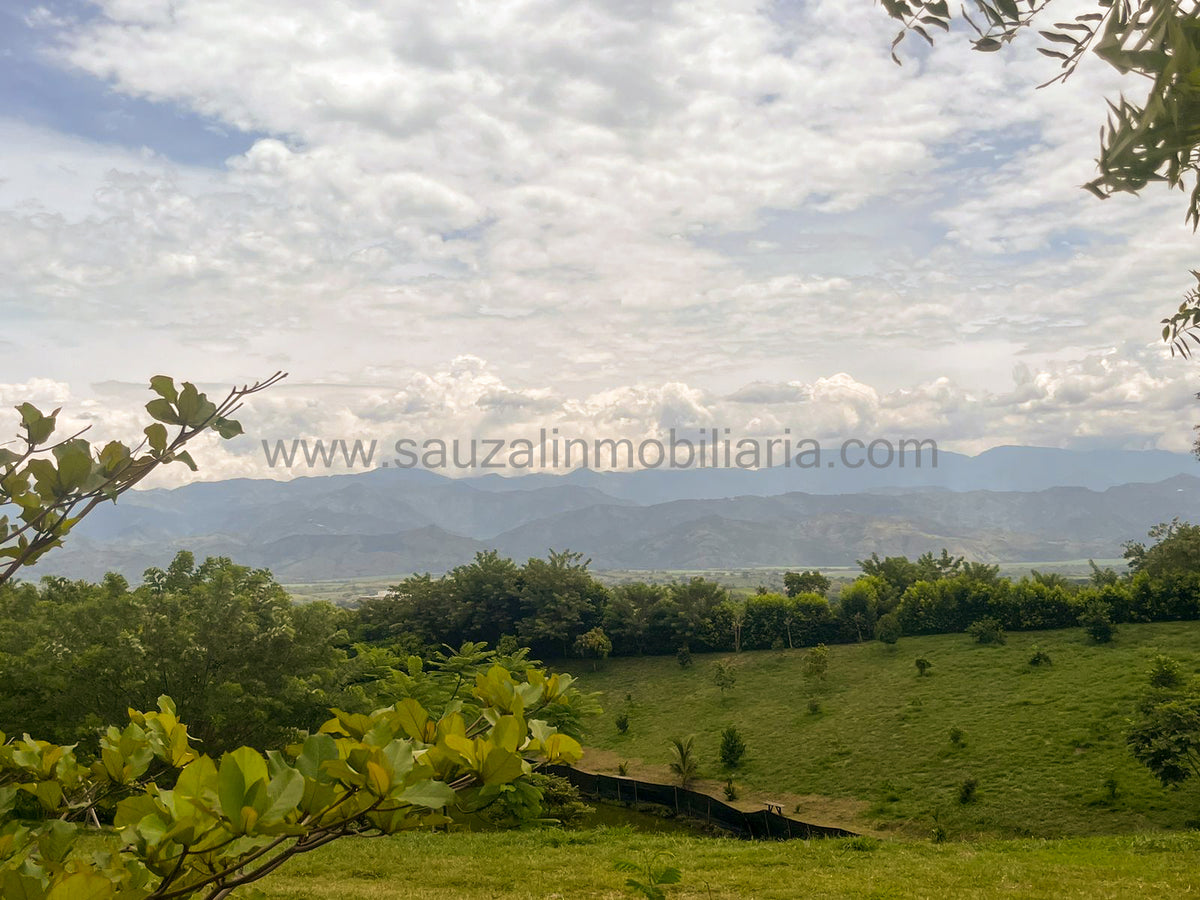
1009	504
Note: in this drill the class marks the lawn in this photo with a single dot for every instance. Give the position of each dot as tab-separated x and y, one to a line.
548	864
1044	744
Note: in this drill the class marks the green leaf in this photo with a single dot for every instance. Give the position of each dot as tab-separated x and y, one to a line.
429	794
156	436
164	386
186	458
239	772
84	885
227	428
163	411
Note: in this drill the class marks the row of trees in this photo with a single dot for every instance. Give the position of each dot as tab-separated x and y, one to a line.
558	608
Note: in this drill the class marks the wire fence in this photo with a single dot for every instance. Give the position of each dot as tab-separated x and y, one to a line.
764	824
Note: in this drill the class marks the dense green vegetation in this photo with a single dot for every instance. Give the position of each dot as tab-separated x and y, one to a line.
1045	743
519	865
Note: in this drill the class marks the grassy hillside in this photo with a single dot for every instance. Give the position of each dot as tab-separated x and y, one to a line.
580	864
1045	744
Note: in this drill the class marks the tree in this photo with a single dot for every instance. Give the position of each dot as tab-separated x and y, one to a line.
733	747
1165	735
230	821
242	662
923	666
560	599
816	663
1096	619
1154	141
888	629
594	644
724	676
684	765
1176	550
54	484
806	582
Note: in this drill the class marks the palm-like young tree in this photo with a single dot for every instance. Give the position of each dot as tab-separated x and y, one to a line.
684	765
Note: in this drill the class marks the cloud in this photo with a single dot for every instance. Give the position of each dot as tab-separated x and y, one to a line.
643	216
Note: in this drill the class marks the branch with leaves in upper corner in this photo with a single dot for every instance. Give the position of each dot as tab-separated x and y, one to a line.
47	486
1157	140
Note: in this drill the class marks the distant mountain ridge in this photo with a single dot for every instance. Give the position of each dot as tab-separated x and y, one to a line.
387	522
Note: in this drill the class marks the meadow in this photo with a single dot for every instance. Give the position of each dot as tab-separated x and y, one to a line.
873	750
554	864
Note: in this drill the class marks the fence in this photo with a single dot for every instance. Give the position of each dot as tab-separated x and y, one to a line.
763	824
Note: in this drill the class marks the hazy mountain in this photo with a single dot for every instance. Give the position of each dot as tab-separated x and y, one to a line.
390	522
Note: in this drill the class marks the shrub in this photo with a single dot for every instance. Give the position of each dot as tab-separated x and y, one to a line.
683	656
1039	657
733	747
923	666
814	706
966	790
986	631
957	736
1165	672
887	629
816	663
724	676
730	791
623	768
777	644
622	723
1096	619
937	834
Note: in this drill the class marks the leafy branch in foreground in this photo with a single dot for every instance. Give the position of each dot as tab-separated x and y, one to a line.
229	822
51	485
1157	140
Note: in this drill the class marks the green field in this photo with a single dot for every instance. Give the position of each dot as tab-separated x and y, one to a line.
549	864
1045	744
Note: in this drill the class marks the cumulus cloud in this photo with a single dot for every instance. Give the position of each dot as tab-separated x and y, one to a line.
643	216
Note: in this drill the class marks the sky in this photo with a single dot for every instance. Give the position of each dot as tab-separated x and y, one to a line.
606	216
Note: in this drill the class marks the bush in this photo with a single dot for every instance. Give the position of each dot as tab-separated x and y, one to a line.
730	791
957	736
622	723
623	768
1165	672
1096	620
923	666
683	656
733	747
887	629
1040	657
814	706
816	663
966	790
986	631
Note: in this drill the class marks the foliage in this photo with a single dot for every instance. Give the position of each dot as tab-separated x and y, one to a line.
806	582
887	629
958	737
1176	549
733	747
966	790
622	723
594	643
814	706
724	675
986	631
730	790
684	765
1165	734
230	821
653	877
1096	619
1165	672
1039	657
54	484
683	656
244	664
923	666
816	664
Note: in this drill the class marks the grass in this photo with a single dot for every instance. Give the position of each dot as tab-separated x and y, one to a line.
1045	745
550	864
